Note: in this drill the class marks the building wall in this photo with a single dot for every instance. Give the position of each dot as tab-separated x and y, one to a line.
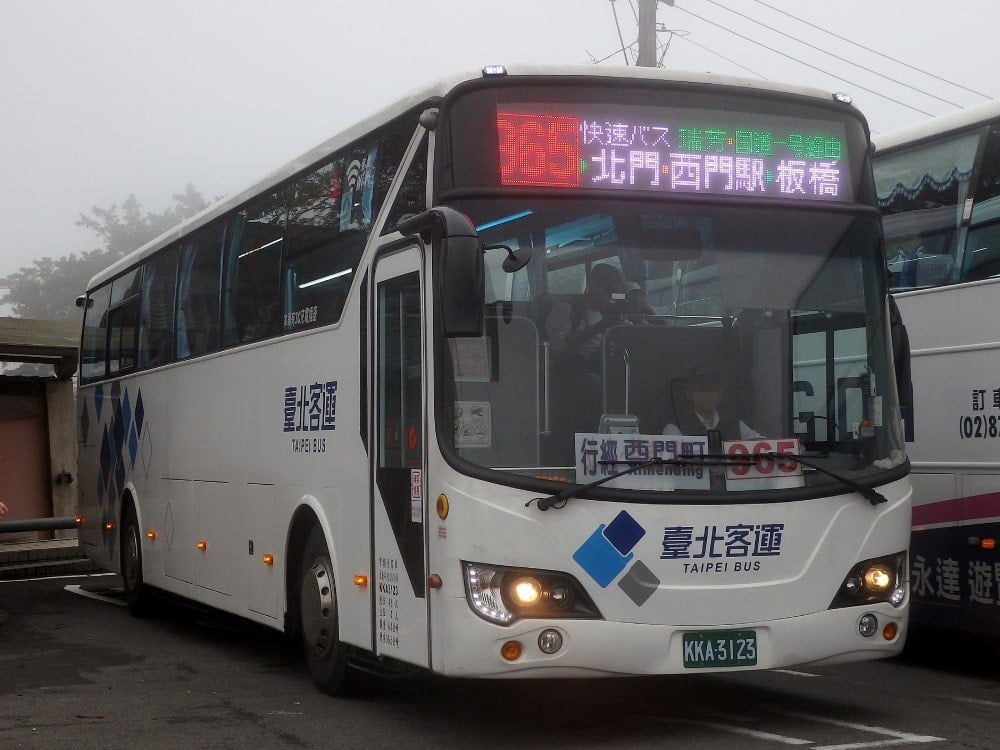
37	445
62	429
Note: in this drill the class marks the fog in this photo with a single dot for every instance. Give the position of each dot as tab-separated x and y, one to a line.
106	98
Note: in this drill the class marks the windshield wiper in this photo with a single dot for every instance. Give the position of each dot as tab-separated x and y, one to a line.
871	495
559	499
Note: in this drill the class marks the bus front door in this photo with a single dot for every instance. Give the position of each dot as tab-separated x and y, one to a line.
399	564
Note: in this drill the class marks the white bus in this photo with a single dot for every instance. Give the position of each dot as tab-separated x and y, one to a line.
331	404
939	188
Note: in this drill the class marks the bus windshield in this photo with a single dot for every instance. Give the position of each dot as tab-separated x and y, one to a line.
641	330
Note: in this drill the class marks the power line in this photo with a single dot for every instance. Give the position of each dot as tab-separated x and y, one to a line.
621	39
834	56
802	62
689	40
875	52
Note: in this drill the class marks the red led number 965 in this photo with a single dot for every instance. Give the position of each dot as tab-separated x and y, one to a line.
541	150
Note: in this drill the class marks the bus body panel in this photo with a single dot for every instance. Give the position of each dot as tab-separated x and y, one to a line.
599	648
956	471
937	188
236	481
802	544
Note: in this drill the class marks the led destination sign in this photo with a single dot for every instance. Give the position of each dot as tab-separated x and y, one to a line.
679	151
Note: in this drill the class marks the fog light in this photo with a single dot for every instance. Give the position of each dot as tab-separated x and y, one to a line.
550	641
890	630
511	650
867	625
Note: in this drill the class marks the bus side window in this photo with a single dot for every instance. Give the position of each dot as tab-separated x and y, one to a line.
411	198
324	246
123	321
982	247
156	316
93	359
198	293
922	193
253	261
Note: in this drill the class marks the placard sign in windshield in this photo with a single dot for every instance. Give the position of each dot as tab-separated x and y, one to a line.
672	151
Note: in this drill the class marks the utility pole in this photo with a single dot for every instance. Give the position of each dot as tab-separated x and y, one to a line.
647	34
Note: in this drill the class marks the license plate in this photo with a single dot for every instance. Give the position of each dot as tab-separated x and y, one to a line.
720	648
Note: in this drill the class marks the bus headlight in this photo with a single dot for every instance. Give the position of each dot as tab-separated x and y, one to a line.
502	595
882	579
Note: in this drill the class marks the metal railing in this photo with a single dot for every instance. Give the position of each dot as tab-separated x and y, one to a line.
38	524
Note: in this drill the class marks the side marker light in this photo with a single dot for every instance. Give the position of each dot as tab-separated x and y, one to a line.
511	650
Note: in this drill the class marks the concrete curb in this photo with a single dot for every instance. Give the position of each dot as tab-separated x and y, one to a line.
37	559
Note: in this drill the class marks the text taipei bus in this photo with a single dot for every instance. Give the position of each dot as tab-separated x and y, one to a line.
939	188
342	403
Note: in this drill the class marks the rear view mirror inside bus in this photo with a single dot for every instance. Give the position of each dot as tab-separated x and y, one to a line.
673	243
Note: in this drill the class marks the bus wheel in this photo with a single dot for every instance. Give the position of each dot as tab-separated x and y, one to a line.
325	655
137	593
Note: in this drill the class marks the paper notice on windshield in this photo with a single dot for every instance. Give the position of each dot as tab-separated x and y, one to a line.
765	472
600	455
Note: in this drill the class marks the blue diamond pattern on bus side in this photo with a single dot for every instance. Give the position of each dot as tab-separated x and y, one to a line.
105	454
126	409
600	559
139	411
639	583
85	424
133	446
98	400
120	471
624	532
117	429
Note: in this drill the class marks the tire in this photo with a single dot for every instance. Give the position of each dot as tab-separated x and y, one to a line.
326	656
137	593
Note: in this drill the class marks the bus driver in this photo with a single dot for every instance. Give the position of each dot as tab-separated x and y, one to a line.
702	409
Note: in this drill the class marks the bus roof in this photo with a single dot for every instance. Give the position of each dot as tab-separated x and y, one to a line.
429	94
936	126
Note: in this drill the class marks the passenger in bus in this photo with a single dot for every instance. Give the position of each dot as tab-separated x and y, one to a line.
576	333
702	410
576	330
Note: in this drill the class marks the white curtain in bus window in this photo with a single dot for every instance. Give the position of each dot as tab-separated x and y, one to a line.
198	293
922	194
251	300
982	248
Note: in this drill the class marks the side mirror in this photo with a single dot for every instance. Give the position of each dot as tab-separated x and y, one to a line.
459	268
900	354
